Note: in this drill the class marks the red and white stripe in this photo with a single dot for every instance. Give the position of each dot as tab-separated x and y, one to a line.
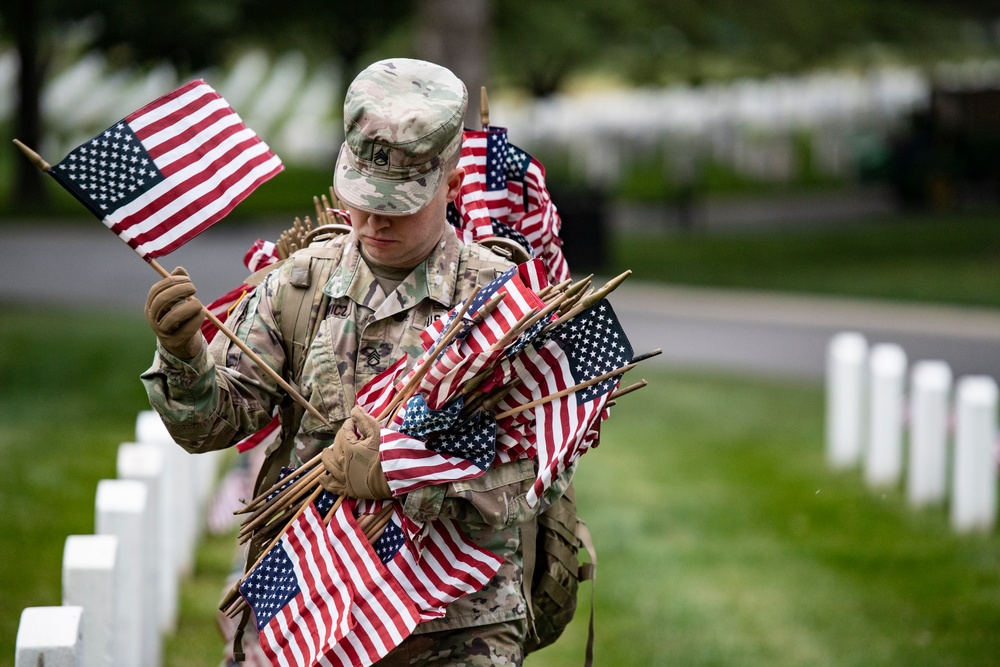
517	301
222	307
210	162
445	566
382	614
261	254
378	392
562	424
408	464
318	617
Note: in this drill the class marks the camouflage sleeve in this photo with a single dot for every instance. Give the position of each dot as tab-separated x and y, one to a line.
496	499
220	397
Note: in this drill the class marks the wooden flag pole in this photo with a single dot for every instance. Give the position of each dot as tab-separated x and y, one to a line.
566	392
37	160
484	108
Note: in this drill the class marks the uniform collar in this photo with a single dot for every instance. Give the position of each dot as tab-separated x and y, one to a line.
434	278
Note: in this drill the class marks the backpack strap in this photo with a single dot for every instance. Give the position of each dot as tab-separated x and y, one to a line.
529	546
311	269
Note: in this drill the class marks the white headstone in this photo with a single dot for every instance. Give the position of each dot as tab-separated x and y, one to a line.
50	637
884	455
180	493
846	380
144	462
974	486
930	403
121	511
89	581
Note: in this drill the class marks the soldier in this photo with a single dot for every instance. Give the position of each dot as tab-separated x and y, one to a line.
397	270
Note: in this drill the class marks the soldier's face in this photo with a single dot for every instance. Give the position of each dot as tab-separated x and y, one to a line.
403	241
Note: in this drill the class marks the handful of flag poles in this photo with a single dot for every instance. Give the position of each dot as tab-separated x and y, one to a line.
522	369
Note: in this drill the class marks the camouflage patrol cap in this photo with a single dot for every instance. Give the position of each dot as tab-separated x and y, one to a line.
403	119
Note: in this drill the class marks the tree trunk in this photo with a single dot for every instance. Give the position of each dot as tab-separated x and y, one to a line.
455	34
29	188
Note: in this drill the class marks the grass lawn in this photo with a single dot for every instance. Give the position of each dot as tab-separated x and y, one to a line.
951	258
722	537
69	394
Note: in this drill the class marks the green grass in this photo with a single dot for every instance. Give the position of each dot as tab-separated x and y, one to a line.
69	394
939	258
723	540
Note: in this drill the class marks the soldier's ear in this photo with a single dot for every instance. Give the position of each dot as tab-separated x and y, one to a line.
454	183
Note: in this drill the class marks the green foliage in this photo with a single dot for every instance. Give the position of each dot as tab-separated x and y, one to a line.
539	45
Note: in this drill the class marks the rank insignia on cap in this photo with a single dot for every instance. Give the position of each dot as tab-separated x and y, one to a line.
381	157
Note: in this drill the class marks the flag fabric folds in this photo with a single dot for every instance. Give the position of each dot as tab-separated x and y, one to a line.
324	596
169	171
299	594
504	193
589	346
411	461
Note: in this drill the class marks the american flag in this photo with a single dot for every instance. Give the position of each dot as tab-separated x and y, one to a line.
378	392
222	308
533	213
484	158
471	351
169	171
463	451
298	594
504	193
261	255
381	614
590	345
437	564
517	301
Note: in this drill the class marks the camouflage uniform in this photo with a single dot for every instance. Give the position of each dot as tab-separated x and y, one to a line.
217	398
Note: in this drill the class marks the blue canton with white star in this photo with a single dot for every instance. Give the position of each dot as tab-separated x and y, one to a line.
496	160
324	503
420	421
109	171
270	586
389	542
474	440
516	163
595	344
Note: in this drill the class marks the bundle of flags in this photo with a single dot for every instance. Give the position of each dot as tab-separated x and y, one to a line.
522	369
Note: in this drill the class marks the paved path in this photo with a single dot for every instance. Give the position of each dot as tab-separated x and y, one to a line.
762	333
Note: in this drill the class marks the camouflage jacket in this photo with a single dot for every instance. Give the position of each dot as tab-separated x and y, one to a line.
219	397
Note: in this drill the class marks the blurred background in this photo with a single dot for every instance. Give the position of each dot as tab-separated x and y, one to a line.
773	172
644	102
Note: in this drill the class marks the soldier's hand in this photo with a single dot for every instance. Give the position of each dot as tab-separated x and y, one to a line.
175	316
352	464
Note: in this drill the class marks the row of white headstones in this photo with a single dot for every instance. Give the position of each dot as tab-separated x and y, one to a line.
943	436
120	585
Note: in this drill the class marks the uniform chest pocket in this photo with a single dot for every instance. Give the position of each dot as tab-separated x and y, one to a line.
322	381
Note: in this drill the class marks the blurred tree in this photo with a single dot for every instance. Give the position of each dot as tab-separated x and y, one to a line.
347	31
456	34
539	45
188	33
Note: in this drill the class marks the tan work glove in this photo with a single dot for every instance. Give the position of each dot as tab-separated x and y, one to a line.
174	317
352	464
